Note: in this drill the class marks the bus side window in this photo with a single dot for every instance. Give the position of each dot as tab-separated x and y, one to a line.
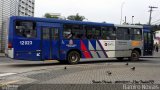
104	33
150	38
78	32
97	33
122	33
89	32
46	32
26	29
111	33
67	32
93	32
136	34
145	37
74	32
55	33
108	33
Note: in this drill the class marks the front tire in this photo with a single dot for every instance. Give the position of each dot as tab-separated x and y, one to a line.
73	57
134	56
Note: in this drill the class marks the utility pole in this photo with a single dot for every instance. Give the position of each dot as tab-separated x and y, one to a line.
150	16
122	11
125	20
132	19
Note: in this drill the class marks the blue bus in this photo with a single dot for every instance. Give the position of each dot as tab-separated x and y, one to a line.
40	39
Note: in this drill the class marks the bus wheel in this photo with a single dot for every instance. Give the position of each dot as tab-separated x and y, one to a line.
134	55
120	58
73	57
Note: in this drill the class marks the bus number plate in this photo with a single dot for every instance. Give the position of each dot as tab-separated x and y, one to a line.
25	42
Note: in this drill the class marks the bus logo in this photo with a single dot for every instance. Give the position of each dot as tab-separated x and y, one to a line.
71	44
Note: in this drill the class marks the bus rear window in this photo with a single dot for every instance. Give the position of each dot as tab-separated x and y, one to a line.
26	29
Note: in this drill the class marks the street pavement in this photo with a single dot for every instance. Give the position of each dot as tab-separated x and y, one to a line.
90	74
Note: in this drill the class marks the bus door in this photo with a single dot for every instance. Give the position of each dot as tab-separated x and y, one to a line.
50	41
148	43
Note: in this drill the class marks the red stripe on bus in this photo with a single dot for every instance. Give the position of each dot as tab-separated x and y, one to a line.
85	51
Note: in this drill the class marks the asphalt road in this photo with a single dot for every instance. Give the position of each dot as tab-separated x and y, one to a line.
88	73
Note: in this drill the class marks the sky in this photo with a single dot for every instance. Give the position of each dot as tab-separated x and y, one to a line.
101	10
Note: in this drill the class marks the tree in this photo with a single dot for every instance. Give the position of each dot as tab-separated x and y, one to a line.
76	17
47	15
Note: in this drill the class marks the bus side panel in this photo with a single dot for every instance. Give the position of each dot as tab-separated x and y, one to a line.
109	47
92	48
88	48
68	45
137	44
123	48
27	49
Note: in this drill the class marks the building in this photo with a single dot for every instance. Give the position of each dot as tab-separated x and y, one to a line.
157	37
26	7
158	33
7	8
12	8
156	40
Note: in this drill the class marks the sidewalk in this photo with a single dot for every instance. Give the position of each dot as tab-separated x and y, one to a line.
2	55
155	55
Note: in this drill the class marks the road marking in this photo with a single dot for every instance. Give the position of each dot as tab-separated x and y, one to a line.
6	74
8	83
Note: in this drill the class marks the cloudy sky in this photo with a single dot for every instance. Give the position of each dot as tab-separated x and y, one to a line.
101	10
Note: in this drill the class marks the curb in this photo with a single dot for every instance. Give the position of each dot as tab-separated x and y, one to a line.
149	57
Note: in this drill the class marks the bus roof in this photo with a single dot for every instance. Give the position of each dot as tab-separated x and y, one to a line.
130	26
49	20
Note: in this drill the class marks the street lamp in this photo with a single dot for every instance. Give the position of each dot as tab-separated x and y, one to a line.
122	11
